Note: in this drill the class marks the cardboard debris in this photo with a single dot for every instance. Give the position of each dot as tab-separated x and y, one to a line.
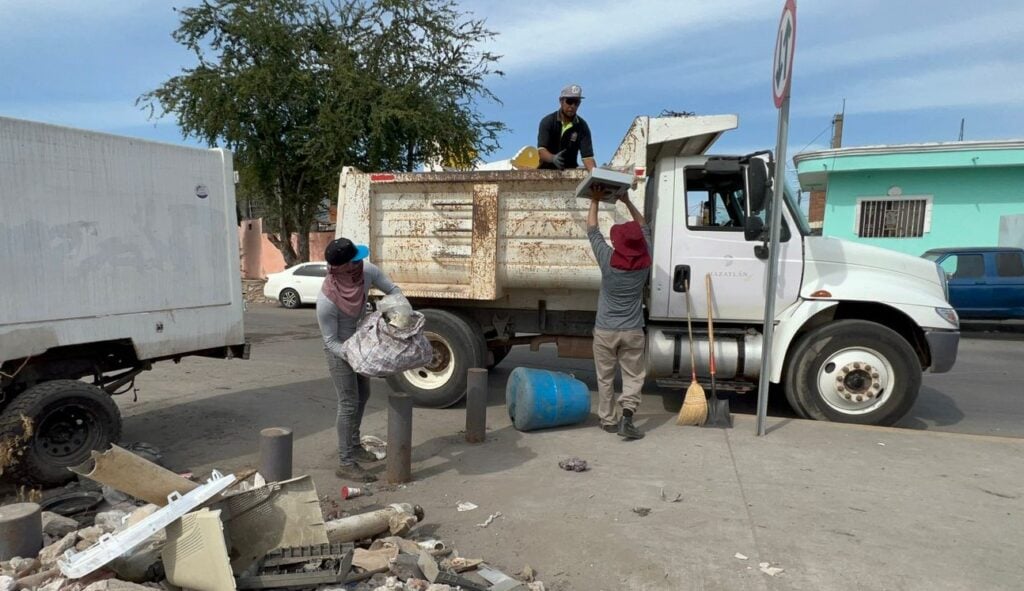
279	515
126	472
374	559
196	555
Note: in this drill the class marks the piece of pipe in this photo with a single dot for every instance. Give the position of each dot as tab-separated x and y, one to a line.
21	530
476	405
276	454
399	460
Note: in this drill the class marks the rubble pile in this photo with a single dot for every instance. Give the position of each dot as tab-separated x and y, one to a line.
165	531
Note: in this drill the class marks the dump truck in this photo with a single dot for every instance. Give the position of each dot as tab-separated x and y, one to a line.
496	259
117	253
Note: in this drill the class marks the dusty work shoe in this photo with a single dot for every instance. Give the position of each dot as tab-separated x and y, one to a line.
627	430
610	428
361	454
355	473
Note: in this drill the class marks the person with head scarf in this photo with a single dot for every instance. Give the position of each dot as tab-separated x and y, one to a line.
619	338
339	307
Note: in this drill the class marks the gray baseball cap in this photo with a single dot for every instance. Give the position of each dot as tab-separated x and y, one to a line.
572	91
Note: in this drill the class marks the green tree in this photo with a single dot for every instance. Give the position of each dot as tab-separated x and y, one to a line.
299	88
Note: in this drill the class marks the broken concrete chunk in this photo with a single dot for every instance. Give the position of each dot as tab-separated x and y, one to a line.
437	587
33	581
7	583
116	585
91	535
51	553
58	526
110	521
417	585
22	567
460	565
527	574
401	524
52	585
770	570
406	567
404	544
535	586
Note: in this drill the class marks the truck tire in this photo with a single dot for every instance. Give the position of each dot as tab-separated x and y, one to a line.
289	298
68	419
458	345
854	371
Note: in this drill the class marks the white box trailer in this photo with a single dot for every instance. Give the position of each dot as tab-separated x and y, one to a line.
116	253
500	258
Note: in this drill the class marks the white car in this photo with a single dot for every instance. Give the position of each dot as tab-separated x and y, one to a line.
296	285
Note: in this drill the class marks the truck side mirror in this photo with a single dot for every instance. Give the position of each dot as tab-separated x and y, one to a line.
757	183
753	229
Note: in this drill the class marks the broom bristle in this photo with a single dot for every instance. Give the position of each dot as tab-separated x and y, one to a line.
695	406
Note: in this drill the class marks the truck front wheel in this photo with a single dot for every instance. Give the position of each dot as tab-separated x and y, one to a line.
854	371
458	345
53	426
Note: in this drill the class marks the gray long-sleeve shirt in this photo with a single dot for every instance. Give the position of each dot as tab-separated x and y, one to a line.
620	305
336	326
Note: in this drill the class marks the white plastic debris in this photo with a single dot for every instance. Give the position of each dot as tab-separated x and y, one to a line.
490	520
76	565
466	506
740	556
375	445
770	570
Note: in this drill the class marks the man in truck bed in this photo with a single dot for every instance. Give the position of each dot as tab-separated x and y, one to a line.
564	134
619	328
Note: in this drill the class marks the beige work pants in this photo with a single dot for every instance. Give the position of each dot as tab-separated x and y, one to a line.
625	348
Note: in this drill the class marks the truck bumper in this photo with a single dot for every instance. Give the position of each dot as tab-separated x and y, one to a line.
943	345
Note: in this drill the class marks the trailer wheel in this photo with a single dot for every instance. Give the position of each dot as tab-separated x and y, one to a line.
458	346
55	425
289	298
854	371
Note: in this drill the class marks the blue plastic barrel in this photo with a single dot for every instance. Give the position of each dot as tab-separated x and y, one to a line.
539	399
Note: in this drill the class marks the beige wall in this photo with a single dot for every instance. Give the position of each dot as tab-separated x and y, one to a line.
260	257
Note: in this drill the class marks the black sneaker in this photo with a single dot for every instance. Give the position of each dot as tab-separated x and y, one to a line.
355	473
627	430
610	428
361	454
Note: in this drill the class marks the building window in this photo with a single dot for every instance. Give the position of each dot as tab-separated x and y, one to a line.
906	217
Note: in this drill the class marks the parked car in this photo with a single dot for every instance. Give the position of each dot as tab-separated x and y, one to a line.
296	285
984	282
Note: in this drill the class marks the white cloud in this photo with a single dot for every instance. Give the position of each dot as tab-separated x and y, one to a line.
974	85
951	39
552	35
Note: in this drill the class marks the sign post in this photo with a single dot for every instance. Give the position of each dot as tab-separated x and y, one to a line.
782	78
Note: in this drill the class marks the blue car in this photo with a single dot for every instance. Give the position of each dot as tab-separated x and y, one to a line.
983	282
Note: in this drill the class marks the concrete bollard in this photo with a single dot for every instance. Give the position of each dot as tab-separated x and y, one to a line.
476	405
399	460
276	454
21	530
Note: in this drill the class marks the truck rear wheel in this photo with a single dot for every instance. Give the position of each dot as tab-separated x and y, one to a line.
458	345
55	425
854	371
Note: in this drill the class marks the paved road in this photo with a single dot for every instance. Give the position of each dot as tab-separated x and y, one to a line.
983	394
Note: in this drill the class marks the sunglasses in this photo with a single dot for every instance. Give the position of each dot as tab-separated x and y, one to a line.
571	101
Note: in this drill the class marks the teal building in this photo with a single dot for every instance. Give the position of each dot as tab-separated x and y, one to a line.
912	198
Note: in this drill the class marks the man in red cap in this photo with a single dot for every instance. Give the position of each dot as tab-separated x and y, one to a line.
619	337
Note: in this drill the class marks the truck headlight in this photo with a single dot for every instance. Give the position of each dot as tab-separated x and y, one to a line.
949	315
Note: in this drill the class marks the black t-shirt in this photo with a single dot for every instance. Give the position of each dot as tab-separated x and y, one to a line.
574	139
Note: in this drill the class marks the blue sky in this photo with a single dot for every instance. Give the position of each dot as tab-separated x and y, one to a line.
908	69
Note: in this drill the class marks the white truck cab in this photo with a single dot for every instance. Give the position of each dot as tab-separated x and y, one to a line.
500	258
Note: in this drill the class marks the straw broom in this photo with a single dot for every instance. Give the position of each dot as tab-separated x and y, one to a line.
695	405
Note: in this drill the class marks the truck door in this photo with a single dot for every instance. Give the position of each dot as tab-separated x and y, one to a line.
1008	283
700	231
968	293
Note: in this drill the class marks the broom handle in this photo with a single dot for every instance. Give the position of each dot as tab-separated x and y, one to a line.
689	330
711	328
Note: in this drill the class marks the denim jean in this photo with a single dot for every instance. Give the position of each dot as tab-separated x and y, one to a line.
353	392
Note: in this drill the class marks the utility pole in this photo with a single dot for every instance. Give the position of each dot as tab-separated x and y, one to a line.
961	129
